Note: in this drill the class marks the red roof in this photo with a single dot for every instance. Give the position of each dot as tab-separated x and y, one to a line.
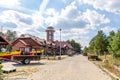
63	44
30	40
3	40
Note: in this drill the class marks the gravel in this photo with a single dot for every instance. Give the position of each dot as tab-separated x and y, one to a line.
71	68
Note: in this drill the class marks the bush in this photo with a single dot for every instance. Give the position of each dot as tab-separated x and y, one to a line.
92	57
116	55
0	68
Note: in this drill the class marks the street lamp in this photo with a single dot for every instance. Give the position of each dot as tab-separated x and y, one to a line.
60	46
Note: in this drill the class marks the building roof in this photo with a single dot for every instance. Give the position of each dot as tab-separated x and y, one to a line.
50	28
3	40
63	44
28	39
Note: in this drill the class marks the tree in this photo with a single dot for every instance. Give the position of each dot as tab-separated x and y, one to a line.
91	47
110	39
115	44
86	49
2	33
75	45
11	36
99	43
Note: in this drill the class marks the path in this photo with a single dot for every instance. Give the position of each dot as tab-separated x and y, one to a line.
72	68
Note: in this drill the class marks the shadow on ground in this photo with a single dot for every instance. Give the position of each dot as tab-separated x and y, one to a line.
31	64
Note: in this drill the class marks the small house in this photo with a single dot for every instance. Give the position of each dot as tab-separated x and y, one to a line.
29	41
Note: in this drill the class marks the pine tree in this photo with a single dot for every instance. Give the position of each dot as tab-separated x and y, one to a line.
115	44
99	43
110	39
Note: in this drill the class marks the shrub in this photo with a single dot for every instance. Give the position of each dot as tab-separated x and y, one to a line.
0	68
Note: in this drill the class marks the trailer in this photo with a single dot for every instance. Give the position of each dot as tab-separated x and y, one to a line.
25	59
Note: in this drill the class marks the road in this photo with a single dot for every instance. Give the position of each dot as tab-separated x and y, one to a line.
72	68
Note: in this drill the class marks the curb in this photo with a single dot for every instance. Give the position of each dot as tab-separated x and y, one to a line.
111	74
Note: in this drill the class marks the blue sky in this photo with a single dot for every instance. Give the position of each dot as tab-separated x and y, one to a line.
79	19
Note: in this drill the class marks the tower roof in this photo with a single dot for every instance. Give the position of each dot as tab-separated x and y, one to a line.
50	28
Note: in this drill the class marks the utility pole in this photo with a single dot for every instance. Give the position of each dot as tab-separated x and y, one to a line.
60	46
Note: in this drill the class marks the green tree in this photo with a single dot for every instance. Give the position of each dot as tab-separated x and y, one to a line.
115	44
99	43
92	45
75	45
2	33
86	49
11	35
110	39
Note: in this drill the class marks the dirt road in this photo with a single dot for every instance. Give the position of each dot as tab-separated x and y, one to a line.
72	68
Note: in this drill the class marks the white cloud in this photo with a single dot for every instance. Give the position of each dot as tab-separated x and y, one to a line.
70	19
37	19
43	6
94	19
14	5
69	11
73	22
9	3
107	5
24	22
107	29
71	16
79	30
65	1
14	17
51	12
83	40
52	18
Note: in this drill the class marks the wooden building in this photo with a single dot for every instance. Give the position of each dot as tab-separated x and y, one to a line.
65	46
27	40
3	41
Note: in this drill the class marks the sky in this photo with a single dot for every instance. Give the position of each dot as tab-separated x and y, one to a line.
78	19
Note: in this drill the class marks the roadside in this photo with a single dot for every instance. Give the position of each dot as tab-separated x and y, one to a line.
107	64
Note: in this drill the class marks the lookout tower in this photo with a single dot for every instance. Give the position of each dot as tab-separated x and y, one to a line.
50	33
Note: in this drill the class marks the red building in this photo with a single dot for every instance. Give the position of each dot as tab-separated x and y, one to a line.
65	46
29	41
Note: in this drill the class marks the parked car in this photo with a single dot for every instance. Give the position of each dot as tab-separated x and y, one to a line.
84	53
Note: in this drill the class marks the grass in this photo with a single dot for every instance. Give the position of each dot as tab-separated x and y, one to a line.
112	69
113	61
110	64
0	68
117	62
0	71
